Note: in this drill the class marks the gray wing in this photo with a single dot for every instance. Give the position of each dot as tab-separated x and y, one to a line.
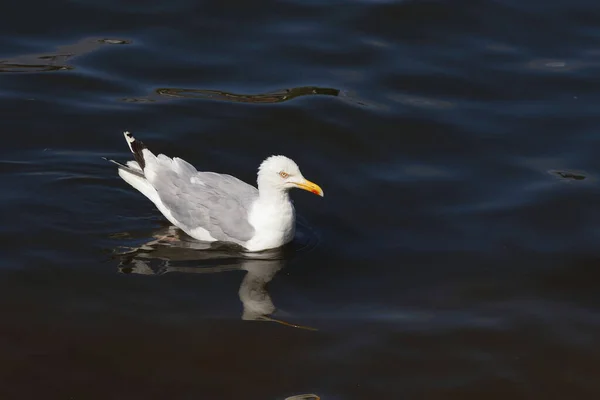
218	203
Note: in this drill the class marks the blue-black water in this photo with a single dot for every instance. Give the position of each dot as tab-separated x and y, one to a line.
455	254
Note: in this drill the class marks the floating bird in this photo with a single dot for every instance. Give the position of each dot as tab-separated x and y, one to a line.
216	207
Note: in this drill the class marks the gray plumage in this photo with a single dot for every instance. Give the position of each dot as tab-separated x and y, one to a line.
216	202
217	207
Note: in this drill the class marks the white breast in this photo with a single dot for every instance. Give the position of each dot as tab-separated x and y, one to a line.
274	224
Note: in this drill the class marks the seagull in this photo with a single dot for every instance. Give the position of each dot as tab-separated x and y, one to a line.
213	207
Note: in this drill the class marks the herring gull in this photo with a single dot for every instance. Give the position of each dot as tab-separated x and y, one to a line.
210	207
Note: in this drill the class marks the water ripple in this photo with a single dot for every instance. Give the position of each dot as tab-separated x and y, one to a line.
219	95
57	60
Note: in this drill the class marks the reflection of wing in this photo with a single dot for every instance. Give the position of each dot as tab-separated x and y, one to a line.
170	252
172	244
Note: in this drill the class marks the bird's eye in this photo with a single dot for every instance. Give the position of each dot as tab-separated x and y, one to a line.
284	174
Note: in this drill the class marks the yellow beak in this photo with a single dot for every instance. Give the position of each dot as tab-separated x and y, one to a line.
311	187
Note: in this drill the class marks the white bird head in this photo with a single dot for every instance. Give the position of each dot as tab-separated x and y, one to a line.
282	174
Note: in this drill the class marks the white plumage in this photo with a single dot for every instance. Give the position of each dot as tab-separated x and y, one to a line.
216	207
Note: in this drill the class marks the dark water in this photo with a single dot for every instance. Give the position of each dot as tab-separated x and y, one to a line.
454	256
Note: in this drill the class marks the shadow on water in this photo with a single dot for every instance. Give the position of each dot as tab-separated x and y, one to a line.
172	251
57	61
219	95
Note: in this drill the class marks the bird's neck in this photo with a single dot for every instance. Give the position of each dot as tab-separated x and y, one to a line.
273	196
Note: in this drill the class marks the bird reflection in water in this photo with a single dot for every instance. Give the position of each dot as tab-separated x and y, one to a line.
172	251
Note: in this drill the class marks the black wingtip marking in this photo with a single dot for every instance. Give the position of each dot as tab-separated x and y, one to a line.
136	147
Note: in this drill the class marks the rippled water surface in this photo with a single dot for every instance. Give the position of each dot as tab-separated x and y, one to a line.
454	256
